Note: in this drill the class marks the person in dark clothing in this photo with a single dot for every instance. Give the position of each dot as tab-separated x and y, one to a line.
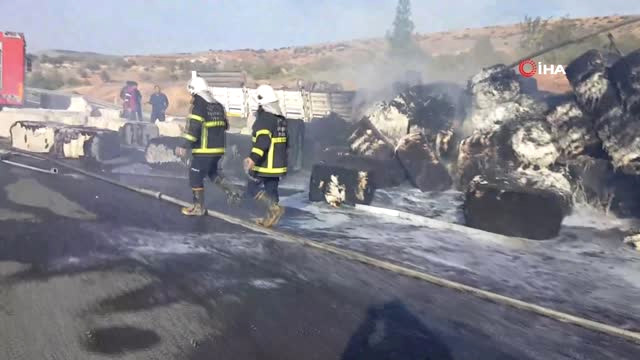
268	159
138	95
205	136
159	104
129	101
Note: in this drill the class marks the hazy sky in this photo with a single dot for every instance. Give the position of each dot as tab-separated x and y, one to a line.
164	26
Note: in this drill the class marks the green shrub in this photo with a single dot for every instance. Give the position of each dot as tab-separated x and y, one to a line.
73	82
49	81
264	71
93	66
104	76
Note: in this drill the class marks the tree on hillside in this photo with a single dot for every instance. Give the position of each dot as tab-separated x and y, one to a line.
400	37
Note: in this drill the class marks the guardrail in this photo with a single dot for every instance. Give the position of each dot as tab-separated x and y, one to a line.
33	96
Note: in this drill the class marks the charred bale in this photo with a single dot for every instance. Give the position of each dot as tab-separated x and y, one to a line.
582	67
322	133
33	136
392	123
626	75
589	77
429	108
138	133
366	140
331	130
620	135
533	144
338	185
436	108
161	153
624	198
516	144
595	182
384	173
70	142
86	143
573	132
494	85
424	169
520	107
482	153
504	206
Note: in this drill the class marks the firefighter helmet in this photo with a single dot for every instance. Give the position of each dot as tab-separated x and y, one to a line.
197	85
265	95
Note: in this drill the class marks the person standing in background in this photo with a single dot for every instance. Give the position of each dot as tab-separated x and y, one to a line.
138	96
129	101
159	104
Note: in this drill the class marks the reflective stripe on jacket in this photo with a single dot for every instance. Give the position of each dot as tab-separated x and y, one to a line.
206	127
269	151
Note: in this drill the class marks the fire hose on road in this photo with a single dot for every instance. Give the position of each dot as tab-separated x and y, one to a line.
5	156
381	264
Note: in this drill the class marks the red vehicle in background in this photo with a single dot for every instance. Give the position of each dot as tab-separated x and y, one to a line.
13	67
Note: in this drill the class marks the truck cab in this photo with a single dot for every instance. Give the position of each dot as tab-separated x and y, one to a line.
13	66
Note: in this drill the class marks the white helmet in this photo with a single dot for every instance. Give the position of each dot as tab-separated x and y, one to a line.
265	95
197	85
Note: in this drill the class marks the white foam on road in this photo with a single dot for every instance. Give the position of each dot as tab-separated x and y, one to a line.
267	284
587	257
589	217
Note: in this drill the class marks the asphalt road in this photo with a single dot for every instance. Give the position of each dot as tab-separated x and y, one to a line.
92	271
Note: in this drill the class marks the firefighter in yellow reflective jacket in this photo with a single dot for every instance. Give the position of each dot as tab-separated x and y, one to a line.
205	136
268	159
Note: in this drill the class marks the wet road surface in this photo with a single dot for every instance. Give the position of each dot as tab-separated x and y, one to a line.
92	271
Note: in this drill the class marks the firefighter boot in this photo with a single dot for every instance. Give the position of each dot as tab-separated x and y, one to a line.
197	209
274	210
233	195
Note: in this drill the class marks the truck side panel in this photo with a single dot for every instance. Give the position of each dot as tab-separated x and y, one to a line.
12	69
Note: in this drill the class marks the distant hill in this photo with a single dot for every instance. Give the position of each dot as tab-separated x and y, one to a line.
75	55
363	63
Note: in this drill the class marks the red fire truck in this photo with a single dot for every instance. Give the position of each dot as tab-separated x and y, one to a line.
13	66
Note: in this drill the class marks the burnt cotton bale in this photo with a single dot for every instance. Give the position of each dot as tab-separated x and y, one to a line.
620	135
573	131
589	77
138	133
338	185
366	140
502	205
87	143
70	142
384	173
424	169
161	153
625	73
598	184
494	85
